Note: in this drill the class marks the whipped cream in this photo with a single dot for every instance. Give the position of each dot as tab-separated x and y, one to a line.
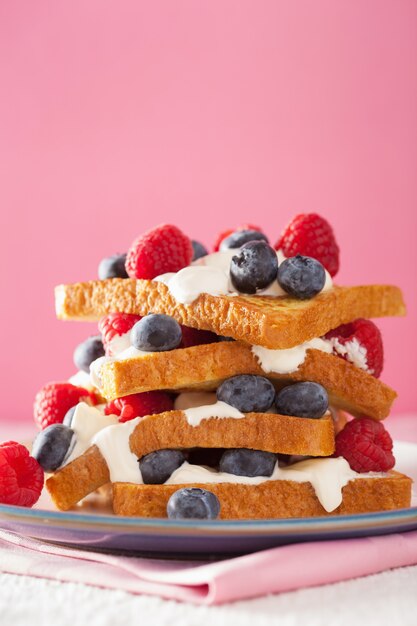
87	421
353	351
327	476
287	361
113	443
210	274
199	406
82	379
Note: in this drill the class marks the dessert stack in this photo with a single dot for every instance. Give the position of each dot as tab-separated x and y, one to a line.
240	384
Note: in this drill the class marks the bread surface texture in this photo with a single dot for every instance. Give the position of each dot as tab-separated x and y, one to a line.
270	499
273	322
205	367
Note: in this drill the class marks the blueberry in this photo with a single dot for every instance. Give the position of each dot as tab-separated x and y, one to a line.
205	456
193	503
87	352
198	250
244	462
52	445
302	400
157	467
113	267
247	393
69	416
301	276
156	333
254	267
237	239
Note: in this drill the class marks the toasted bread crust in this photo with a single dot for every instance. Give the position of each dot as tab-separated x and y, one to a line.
271	499
206	366
259	431
78	479
279	323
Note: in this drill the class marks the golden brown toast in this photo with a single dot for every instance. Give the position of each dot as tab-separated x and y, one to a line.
270	499
78	479
273	322
206	366
260	431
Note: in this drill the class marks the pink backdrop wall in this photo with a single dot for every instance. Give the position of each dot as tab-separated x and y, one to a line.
118	116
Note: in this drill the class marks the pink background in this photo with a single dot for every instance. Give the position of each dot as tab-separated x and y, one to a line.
117	116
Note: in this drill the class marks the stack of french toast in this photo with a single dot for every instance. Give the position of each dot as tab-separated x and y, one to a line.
238	384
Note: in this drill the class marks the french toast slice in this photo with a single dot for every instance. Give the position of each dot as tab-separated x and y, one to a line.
273	322
206	366
270	499
259	431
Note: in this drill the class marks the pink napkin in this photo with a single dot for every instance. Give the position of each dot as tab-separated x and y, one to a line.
279	569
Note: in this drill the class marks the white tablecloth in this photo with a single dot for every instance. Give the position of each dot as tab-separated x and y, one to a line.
388	598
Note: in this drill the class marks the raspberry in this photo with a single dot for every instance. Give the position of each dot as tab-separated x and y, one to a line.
115	324
310	234
55	399
158	251
139	404
359	342
228	232
366	446
195	337
21	476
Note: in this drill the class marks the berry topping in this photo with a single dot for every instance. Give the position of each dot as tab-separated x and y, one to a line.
54	400
113	267
198	250
193	503
366	446
301	276
157	467
240	237
52	445
244	462
310	234
247	393
359	342
140	404
87	352
194	337
302	400
156	333
254	267
230	231
115	325
21	476
160	250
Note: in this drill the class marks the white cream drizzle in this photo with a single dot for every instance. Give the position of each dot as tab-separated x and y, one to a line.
210	274
199	406
87	421
287	361
327	476
81	379
113	443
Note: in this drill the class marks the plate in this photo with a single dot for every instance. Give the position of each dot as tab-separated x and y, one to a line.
92	528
